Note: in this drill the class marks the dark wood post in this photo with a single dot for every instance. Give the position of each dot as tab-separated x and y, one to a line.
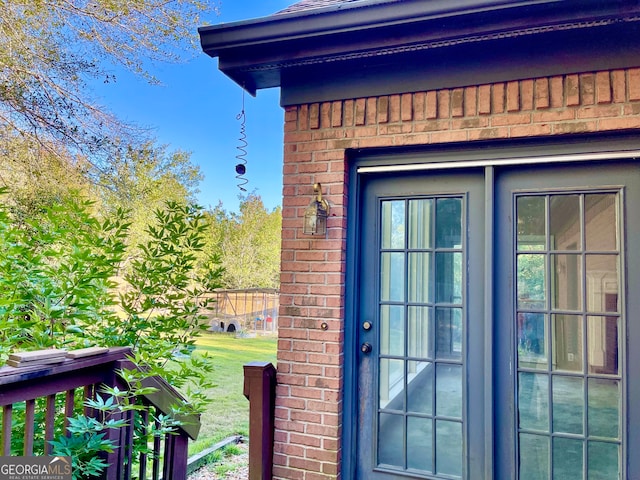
260	390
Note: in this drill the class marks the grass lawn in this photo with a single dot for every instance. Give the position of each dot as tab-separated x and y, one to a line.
228	412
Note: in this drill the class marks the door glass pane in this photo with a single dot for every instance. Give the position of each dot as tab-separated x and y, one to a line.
531	281
602	336
567	342
531	223
564	222
581	251
602	283
449	448
604	461
566	271
420	387
391	384
600	222
420	288
421	331
392	330
449	223
532	340
392	277
420	213
567	458
449	390
568	404
393	224
420	443
448	281
533	401
449	333
604	408
533	458
391	428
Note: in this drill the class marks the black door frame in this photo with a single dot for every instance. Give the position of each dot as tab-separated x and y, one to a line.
579	148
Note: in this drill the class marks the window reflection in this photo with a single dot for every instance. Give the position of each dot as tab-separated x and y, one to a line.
568	324
421	335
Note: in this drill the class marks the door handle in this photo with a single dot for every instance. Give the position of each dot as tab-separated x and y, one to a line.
366	347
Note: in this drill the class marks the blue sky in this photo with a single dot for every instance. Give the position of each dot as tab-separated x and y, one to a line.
195	110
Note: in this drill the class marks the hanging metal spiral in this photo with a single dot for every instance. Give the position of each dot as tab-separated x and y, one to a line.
241	167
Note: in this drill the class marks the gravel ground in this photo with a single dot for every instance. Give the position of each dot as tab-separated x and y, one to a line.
238	464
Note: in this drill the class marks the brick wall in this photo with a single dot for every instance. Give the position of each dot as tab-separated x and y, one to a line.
310	359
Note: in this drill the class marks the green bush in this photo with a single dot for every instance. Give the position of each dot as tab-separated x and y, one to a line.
66	282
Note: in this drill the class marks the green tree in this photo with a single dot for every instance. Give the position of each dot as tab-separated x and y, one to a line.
50	51
247	243
142	179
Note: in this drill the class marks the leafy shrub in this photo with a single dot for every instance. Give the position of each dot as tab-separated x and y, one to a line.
66	282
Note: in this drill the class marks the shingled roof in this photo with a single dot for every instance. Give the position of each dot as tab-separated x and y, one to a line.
312	4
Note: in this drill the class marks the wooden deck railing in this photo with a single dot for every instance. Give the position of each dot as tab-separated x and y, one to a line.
260	390
46	395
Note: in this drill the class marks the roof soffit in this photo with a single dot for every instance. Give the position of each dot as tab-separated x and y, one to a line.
275	50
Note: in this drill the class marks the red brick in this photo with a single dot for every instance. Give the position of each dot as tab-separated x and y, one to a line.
303	416
444	106
432	104
587	89
292	427
394	108
308	440
372	111
603	87
336	114
554	115
419	103
556	93
325	115
294	450
599	111
542	93
330	443
348	113
407	107
457	102
322	455
318	476
619	85
575	127
484	99
471	101
415	139
330	468
305	464
488	133
453	136
314	115
526	94
360	116
432	125
280	472
529	130
510	119
383	110
633	83
572	90
303	117
618	123
497	98
513	96
466	123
